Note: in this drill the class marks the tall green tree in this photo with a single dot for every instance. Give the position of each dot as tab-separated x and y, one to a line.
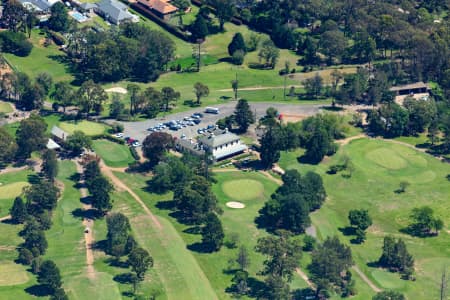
133	89
36	242
199	28
361	220
18	211
388	295
212	232
45	81
59	19
237	43
91	96
200	91
313	85
270	147
49	275
423	222
140	260
100	189
63	94
77	141
169	95
8	146
41	196
269	53
49	164
396	257
156	145
118	233
225	10
13	15
243	115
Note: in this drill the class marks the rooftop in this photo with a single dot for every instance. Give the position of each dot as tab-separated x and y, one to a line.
411	86
59	133
218	138
161	6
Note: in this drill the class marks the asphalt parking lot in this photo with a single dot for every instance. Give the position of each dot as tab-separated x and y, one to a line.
139	130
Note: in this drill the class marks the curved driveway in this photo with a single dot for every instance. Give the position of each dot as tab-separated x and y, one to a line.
138	130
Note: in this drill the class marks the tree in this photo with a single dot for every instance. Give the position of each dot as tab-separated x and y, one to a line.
32	97
332	44
313	85
225	10
91	96
243	115
49	275
155	146
133	89
41	196
169	95
13	15
424	222
49	164
388	295
63	94
421	114
200	91
237	43
36	242
25	256
269	53
140	260
329	266
8	146
77	141
240	283
59	19
212	232
318	145
18	211
100	188
359	218
59	294
199	28
118	227
235	87
270	147
91	171
116	107
243	258
282	257
31	136
45	81
396	257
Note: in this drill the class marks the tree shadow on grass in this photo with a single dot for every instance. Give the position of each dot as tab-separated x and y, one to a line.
124	278
75	177
303	294
86	200
304	159
113	262
80	213
166	205
99	245
257	288
332	108
347	230
33	179
38	290
193	230
200	248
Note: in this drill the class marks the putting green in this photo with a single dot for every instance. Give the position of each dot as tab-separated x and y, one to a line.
12	274
114	155
89	128
387	158
12	190
5	107
243	189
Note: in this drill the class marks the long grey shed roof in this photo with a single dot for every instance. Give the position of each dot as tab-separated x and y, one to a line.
59	133
115	10
218	140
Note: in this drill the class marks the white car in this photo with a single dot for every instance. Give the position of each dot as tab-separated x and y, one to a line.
136	144
119	135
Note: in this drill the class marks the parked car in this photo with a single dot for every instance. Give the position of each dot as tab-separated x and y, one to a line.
136	144
119	135
200	115
197	121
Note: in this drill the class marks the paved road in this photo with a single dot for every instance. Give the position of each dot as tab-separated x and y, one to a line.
138	130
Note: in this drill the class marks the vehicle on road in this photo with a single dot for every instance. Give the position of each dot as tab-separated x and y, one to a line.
212	110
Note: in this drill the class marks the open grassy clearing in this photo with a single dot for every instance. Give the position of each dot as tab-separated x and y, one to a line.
379	168
12	273
114	154
11	185
234	220
41	59
88	127
5	107
179	271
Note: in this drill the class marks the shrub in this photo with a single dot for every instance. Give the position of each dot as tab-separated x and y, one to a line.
57	37
134	153
238	57
15	43
116	127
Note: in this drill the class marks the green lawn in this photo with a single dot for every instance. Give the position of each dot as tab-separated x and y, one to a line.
114	154
213	265
88	127
5	107
41	59
11	185
379	168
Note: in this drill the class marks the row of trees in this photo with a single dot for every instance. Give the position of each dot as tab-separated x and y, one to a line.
98	186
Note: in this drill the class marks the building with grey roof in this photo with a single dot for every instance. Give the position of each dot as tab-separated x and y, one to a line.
59	134
115	12
38	6
222	144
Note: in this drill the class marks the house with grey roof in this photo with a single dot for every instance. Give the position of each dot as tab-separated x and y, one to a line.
59	134
38	6
115	12
221	144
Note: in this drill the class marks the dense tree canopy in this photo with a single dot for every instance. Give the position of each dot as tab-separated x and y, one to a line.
31	136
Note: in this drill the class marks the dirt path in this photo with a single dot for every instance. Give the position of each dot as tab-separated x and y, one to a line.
258	88
121	186
366	280
304	277
88	234
349	139
270	177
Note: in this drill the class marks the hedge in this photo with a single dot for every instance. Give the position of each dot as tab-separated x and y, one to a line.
57	37
135	154
108	137
15	43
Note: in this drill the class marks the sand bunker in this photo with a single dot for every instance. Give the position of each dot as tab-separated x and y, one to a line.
117	89
234	204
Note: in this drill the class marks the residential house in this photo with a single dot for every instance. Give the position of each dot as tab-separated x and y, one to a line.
59	134
413	88
115	12
162	8
38	6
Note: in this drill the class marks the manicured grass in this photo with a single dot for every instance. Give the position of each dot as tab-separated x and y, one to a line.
372	187
5	107
41	59
243	189
11	186
114	155
214	265
12	273
89	128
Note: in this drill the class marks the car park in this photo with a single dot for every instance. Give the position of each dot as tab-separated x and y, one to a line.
197	121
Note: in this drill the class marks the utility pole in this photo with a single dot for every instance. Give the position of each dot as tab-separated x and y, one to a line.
444	284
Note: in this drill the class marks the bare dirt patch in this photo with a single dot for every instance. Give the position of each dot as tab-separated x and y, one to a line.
234	204
117	89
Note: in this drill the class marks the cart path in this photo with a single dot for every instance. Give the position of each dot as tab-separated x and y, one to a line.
305	277
122	186
366	279
5	218
87	223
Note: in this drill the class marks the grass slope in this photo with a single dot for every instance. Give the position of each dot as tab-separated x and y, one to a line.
11	185
89	128
379	168
114	155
